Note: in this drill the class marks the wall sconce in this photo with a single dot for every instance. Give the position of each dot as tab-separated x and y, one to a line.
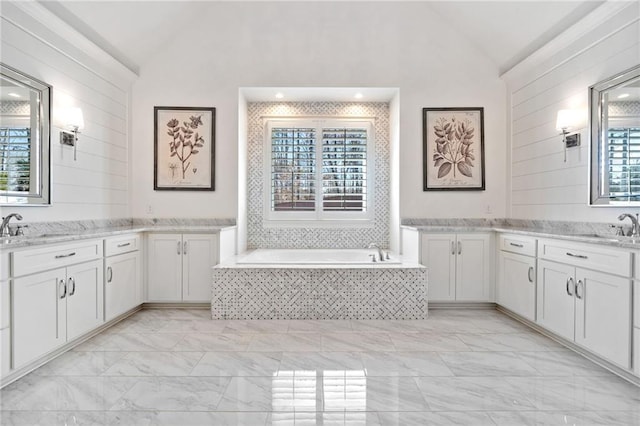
73	121
568	119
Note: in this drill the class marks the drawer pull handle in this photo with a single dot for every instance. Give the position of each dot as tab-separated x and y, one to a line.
109	274
516	245
62	293
179	244
459	247
62	256
72	286
530	274
453	247
579	256
569	285
123	245
184	249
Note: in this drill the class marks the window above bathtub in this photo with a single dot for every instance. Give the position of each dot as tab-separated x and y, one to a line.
320	171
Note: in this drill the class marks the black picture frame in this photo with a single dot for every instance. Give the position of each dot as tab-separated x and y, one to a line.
184	156
451	162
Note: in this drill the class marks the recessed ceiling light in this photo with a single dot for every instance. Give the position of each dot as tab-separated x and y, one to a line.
279	95
14	95
358	95
622	96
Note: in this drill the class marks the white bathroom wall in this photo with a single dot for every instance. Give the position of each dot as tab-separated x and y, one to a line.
96	185
543	186
319	44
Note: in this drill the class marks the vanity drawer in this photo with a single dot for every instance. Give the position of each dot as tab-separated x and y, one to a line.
121	244
589	256
30	261
517	244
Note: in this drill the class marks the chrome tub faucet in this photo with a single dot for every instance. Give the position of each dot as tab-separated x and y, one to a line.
380	252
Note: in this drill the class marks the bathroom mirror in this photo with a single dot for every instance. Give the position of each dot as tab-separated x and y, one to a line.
25	108
614	130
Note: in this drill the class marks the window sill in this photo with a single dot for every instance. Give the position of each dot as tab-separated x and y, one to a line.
326	223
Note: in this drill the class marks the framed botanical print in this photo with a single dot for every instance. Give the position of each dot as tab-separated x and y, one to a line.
453	149
184	148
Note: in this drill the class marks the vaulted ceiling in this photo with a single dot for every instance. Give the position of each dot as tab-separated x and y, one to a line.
505	31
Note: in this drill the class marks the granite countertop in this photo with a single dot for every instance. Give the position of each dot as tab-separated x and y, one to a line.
582	236
58	236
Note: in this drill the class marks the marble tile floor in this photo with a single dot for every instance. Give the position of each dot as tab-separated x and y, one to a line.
176	367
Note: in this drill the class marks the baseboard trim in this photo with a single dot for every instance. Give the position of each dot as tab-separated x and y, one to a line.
176	305
23	371
607	365
462	305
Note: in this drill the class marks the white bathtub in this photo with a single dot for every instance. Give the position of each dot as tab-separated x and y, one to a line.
314	257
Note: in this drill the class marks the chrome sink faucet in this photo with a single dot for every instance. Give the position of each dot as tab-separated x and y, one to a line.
380	252
635	227
4	226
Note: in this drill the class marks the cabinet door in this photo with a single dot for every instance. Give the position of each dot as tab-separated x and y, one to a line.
39	315
438	254
122	278
517	284
199	256
164	268
556	306
84	298
603	315
472	267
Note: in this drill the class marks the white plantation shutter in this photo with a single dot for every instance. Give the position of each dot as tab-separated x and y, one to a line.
623	155
319	170
293	169
15	154
344	169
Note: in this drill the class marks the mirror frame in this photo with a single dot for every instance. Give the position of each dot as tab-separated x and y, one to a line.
597	136
42	196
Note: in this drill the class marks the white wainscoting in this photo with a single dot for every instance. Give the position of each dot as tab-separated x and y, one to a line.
543	185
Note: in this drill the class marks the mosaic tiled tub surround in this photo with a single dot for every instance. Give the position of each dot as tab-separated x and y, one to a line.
245	292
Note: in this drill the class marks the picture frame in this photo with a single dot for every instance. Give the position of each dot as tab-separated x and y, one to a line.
453	149
184	148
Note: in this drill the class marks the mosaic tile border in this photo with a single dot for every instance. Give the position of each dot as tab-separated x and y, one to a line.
249	293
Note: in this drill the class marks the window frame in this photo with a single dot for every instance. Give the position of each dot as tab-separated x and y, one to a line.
318	217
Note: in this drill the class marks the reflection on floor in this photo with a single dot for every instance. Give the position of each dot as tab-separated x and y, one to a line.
176	367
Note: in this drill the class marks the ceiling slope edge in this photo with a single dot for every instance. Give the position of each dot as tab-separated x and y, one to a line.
604	21
38	21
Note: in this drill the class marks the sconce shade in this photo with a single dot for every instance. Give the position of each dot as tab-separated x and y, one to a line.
567	119
74	118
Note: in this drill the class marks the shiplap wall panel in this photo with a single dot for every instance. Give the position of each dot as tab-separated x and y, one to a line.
96	185
543	185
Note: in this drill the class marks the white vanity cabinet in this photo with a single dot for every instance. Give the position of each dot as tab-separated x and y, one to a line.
516	288
122	274
584	295
179	267
459	266
51	307
5	315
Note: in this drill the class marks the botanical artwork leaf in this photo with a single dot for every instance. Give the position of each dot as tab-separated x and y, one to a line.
453	147
444	170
